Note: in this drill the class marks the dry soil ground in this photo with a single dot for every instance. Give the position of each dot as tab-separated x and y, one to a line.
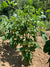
11	58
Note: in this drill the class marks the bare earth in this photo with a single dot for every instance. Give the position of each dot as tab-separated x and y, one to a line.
11	58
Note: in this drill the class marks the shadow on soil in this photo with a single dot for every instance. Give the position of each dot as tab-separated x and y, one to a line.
11	56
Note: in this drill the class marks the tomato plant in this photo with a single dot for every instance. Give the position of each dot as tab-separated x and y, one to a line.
20	24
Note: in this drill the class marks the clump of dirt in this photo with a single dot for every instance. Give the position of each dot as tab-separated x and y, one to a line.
10	57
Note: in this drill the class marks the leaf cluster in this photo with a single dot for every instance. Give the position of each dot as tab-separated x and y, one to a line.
23	25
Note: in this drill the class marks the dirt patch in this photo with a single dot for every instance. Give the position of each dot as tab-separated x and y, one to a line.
12	58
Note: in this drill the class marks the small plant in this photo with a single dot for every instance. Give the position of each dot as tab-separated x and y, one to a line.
20	24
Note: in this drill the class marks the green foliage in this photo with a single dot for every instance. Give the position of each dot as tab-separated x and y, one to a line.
4	4
3	38
47	25
30	2
48	10
44	36
25	21
47	48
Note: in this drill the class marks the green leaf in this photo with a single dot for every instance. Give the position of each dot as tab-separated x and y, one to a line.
48	10
31	55
23	55
23	58
4	4
30	1
38	46
3	38
44	36
11	41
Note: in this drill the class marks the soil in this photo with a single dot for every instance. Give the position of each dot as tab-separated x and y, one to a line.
10	57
